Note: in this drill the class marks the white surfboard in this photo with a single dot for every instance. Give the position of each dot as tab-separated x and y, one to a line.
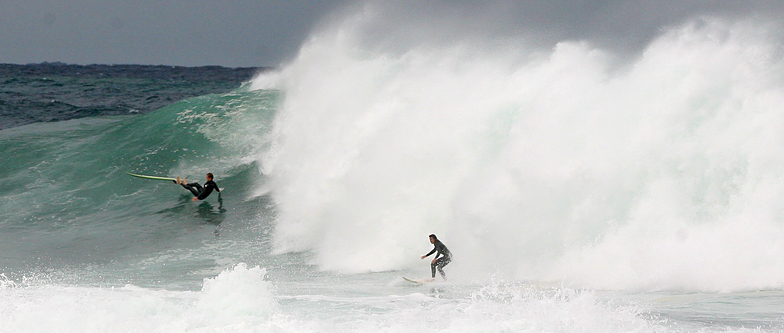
419	281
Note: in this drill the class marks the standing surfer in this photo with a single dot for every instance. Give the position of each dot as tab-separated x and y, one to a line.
199	192
442	258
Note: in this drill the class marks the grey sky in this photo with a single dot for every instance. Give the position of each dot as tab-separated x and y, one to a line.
266	33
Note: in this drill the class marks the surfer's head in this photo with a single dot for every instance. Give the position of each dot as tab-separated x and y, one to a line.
209	176
433	238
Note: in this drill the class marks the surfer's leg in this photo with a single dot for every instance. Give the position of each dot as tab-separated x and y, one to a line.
440	263
433	269
195	188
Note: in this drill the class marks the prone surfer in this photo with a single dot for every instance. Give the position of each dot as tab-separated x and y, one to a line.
199	192
442	258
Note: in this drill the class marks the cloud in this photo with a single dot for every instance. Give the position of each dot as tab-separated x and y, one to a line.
266	33
197	32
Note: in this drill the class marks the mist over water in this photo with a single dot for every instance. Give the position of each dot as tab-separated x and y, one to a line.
659	172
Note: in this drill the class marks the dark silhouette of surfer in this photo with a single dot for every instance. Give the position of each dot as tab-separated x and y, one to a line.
199	192
442	258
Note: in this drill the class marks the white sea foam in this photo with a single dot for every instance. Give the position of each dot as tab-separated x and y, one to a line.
663	172
236	300
240	300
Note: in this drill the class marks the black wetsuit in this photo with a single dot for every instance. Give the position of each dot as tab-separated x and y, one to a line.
202	192
445	258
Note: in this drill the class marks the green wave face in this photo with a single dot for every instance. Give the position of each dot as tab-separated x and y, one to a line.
68	179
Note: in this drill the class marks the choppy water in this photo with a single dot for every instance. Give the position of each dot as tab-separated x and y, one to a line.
577	195
55	91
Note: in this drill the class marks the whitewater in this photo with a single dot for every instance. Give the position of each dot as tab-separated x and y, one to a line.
579	191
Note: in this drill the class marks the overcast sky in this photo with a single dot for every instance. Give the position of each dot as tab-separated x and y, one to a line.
266	33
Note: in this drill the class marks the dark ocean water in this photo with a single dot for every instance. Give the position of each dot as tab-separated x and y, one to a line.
55	92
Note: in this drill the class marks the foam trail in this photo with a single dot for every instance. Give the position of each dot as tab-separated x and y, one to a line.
662	173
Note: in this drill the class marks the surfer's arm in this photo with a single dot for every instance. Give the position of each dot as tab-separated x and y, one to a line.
429	253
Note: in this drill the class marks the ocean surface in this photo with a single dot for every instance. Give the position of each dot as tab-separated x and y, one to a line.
578	193
56	91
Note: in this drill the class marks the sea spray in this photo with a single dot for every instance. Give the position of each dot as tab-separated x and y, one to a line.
563	166
237	296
